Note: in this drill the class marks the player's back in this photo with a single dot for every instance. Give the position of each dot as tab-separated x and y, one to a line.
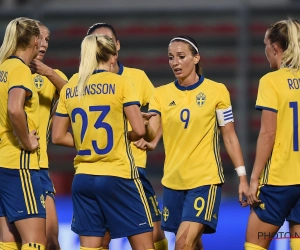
99	124
14	73
279	91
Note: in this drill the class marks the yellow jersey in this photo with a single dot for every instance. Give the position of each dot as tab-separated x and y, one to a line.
191	132
144	90
14	73
47	97
279	91
99	124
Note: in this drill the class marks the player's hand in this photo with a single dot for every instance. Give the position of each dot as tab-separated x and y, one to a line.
243	191
252	194
147	116
34	140
39	67
144	145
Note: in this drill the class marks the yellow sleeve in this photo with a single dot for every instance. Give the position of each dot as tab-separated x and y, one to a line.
154	105
62	75
21	78
129	96
148	89
61	109
224	98
266	96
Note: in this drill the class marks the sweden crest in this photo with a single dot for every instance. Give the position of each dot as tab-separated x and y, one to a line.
200	99
38	81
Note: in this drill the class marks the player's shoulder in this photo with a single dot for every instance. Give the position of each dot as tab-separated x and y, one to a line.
214	84
61	74
133	72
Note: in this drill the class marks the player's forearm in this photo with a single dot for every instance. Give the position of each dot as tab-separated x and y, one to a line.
55	79
150	133
234	151
134	136
157	137
66	139
265	143
18	121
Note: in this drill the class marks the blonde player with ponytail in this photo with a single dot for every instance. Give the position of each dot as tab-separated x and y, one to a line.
21	194
274	191
106	190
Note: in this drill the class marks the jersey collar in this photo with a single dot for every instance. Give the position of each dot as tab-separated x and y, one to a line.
99	71
12	57
121	68
191	87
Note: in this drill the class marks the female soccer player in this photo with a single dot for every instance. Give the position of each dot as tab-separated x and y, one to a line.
106	190
48	83
21	194
274	187
192	110
144	89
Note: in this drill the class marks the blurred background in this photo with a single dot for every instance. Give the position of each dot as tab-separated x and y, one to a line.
230	37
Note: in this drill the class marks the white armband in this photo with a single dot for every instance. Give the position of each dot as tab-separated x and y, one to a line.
224	116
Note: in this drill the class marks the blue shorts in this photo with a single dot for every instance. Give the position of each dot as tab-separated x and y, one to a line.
150	194
47	184
200	205
278	203
110	203
21	194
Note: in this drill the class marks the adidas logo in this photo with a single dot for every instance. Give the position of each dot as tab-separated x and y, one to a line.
172	103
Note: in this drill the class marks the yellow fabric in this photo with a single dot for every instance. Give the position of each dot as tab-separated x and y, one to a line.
250	246
33	246
10	246
279	92
144	89
161	245
15	74
295	243
104	248
47	97
89	248
99	124
191	132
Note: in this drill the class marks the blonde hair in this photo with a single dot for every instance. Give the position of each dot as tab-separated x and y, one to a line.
40	24
18	35
286	33
95	49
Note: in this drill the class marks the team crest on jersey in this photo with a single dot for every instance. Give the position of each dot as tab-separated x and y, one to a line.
200	99
38	81
42	199
165	213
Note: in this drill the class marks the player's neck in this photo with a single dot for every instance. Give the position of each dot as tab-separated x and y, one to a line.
115	68
189	80
25	55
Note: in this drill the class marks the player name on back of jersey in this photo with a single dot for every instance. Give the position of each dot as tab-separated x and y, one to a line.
92	89
293	83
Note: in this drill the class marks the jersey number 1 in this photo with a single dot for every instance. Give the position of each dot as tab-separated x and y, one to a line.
294	106
98	124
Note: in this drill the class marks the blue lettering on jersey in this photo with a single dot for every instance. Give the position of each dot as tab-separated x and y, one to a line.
293	83
3	76
92	89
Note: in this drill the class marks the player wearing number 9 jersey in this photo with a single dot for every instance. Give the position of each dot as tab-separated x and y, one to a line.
192	110
106	190
275	179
